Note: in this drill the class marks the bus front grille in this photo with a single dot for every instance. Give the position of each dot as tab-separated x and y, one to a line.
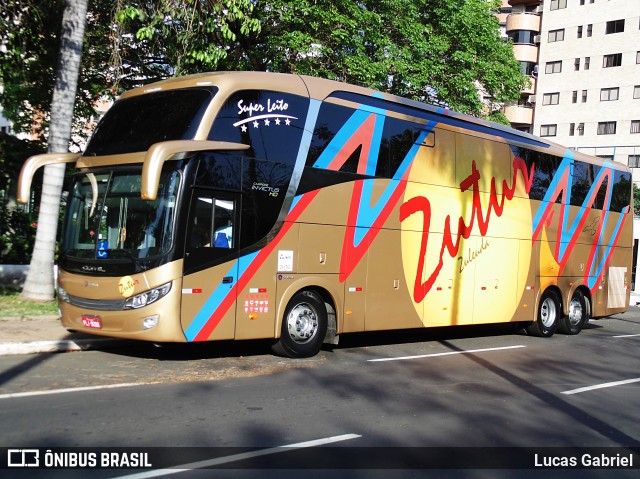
98	304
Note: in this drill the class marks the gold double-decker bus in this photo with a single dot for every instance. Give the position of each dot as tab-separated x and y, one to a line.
251	205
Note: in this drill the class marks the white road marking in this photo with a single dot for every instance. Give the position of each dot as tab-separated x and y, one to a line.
68	390
601	386
239	457
627	336
449	353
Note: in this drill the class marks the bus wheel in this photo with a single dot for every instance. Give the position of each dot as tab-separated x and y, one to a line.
573	322
548	315
304	326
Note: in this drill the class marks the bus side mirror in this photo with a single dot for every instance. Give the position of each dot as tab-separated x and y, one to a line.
167	150
32	165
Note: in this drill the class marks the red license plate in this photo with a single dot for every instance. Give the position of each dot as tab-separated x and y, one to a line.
91	322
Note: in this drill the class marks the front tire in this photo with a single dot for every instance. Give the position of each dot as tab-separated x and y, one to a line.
304	326
573	322
549	312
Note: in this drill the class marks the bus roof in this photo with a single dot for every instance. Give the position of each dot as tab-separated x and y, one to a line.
320	89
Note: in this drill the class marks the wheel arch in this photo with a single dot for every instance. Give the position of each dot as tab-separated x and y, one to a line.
322	287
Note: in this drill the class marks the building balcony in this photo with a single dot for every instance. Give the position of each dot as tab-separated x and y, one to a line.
531	89
502	18
526	53
519	114
523	21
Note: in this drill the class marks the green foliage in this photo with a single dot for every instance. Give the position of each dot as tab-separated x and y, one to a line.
17	232
13	152
30	32
27	67
439	51
17	235
182	36
636	200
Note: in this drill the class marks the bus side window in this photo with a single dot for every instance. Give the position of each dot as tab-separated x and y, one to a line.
212	223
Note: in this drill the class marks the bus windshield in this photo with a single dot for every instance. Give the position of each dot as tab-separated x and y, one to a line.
134	124
106	218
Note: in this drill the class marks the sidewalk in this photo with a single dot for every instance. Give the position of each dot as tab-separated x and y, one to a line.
45	334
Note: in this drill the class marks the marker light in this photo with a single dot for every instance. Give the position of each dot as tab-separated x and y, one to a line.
148	297
63	295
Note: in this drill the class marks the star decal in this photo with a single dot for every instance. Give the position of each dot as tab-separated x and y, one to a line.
264	121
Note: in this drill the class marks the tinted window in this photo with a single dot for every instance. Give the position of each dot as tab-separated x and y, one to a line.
621	191
397	138
545	168
522	36
430	113
212	233
220	170
272	123
583	177
263	185
581	184
134	124
331	119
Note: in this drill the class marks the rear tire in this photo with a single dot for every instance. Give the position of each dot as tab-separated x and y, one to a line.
578	315
304	326
549	312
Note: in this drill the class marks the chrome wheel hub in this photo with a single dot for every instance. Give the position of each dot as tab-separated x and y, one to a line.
302	323
575	312
548	313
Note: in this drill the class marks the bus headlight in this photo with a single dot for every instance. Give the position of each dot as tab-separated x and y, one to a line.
148	297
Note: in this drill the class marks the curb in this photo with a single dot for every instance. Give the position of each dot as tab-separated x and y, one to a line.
60	346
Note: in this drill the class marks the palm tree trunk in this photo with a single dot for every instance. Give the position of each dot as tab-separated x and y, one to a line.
39	282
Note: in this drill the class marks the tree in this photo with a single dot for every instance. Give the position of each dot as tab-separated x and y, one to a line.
157	39
439	51
30	38
39	282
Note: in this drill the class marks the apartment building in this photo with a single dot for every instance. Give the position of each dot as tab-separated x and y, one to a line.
583	58
588	94
521	22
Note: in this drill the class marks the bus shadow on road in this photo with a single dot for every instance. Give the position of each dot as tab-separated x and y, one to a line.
259	347
192	351
409	336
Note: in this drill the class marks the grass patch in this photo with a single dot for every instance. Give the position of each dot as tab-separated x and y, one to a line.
12	306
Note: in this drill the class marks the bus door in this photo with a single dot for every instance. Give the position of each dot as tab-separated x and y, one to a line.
211	266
